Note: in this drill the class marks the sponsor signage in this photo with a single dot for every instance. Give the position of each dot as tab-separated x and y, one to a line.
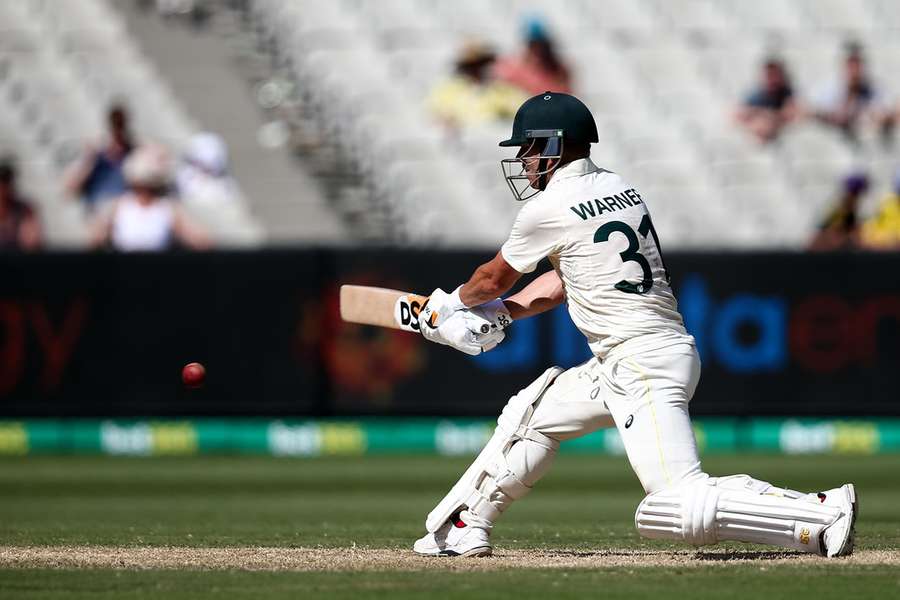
447	437
105	336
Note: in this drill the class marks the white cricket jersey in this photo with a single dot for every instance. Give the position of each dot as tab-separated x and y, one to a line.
596	230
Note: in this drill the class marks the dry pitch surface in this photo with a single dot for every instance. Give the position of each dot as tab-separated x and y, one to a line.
375	559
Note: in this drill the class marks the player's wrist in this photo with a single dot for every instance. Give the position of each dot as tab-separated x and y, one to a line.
454	302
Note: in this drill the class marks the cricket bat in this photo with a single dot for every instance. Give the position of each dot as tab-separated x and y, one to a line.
381	306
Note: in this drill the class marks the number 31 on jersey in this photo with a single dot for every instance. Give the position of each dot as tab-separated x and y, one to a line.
632	252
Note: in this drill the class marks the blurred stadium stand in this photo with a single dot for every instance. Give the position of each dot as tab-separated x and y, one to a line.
200	66
347	80
661	77
61	64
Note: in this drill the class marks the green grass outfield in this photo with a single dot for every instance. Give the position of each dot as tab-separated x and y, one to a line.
584	508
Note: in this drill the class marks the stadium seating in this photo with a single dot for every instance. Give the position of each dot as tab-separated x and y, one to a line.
62	62
662	78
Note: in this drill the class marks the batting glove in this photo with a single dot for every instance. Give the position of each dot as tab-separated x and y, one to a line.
456	332
494	314
440	306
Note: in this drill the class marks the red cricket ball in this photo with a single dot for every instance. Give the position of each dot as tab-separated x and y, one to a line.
193	374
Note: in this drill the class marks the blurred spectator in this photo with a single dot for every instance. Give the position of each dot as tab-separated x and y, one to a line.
538	68
771	106
203	177
840	229
172	8
97	175
882	231
19	225
472	96
844	102
145	219
196	11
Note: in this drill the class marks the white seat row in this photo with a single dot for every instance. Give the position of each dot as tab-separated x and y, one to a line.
662	78
62	63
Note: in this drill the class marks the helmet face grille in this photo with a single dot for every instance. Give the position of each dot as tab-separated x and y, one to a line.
525	185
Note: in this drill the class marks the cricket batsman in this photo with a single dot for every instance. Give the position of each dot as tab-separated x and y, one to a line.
608	268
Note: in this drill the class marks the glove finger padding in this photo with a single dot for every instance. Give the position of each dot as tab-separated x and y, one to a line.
490	340
453	332
484	332
439	307
494	314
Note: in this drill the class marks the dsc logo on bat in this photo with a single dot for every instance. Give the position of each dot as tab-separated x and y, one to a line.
406	311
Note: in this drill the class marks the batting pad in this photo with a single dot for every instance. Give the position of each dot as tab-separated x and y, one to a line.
507	466
719	509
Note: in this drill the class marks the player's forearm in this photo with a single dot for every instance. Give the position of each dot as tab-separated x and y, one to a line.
543	294
480	288
489	281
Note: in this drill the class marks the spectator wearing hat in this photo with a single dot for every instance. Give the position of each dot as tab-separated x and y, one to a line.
771	105
145	219
20	228
97	176
538	67
472	96
882	231
840	229
202	177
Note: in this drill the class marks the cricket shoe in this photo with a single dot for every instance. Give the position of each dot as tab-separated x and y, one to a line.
839	538
456	538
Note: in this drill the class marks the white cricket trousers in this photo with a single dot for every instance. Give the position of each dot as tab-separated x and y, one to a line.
645	396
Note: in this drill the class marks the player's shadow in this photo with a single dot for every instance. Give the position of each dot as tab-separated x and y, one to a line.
722	556
607	553
747	555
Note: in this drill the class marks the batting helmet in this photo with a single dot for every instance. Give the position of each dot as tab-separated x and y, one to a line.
546	113
545	122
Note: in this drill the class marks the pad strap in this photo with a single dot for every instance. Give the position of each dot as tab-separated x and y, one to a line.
524	432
